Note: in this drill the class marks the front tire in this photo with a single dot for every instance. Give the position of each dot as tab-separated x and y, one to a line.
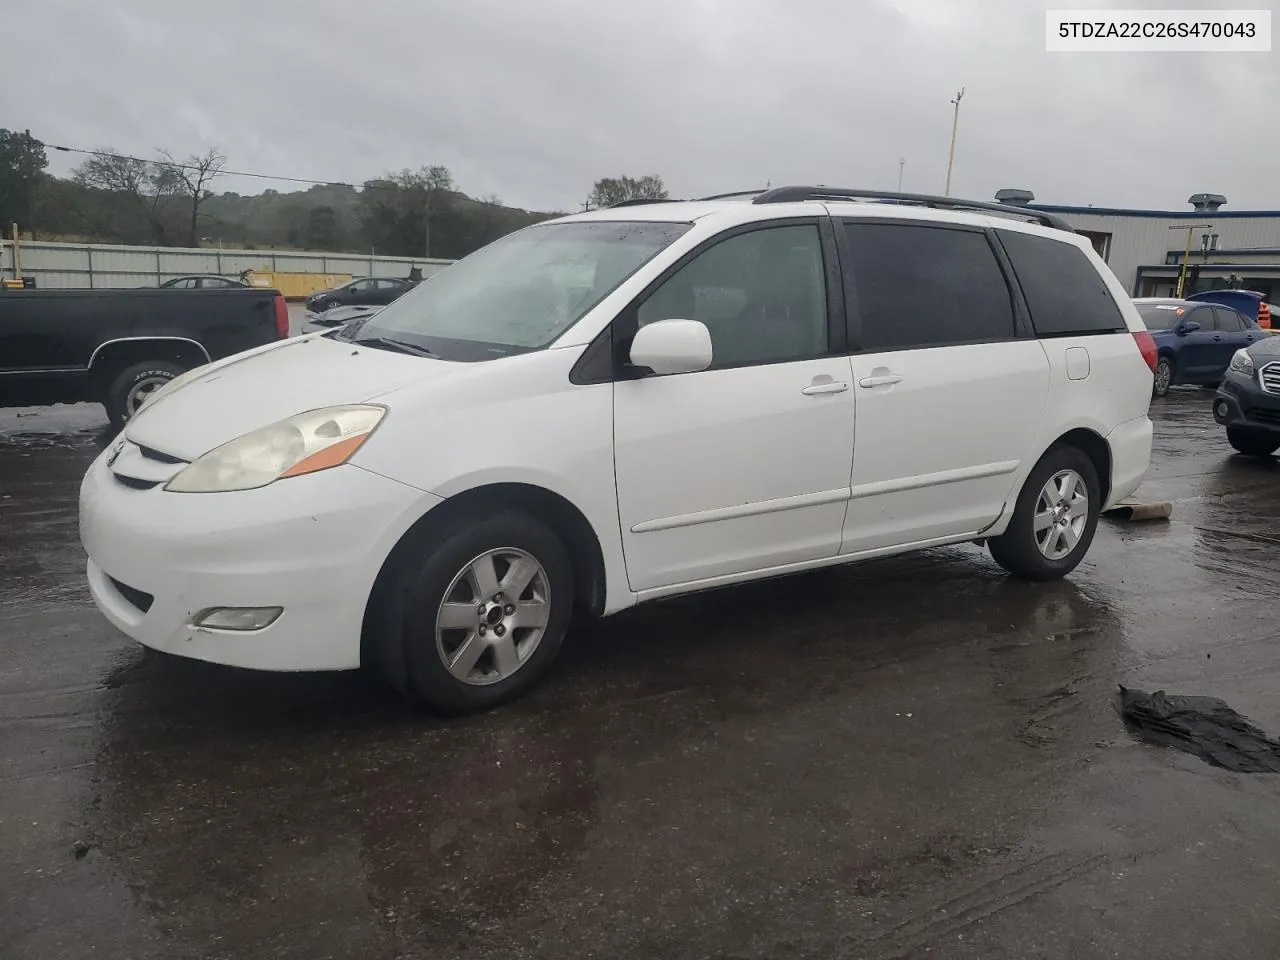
132	385
1054	519
482	616
1252	443
1163	377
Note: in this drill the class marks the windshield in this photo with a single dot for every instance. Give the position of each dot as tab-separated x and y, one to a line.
521	292
1161	316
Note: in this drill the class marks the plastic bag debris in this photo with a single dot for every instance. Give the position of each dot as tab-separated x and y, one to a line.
1203	726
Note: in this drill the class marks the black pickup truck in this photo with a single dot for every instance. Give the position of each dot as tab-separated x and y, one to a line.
117	346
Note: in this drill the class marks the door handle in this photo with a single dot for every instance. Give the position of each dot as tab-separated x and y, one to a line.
882	381
834	386
1217	338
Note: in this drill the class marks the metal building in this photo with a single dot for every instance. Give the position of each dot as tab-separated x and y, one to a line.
1146	248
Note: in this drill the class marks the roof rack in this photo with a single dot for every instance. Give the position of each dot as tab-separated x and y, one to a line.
735	193
639	202
792	194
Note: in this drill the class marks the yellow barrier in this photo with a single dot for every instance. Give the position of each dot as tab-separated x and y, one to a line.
297	286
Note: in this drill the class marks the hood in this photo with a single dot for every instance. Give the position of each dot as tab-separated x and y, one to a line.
1267	348
246	392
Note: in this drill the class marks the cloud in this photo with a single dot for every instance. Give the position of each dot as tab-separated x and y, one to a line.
535	100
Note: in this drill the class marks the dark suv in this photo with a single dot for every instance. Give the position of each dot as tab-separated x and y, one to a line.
1248	399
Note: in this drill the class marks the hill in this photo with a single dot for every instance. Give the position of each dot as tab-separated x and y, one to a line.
389	215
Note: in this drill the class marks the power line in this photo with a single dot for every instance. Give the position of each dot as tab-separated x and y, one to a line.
187	166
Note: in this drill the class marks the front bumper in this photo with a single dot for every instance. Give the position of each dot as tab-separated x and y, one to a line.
1241	403
312	545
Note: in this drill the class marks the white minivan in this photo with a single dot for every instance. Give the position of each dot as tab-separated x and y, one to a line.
618	406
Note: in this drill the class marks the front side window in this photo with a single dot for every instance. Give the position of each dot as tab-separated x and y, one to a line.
927	286
521	292
1204	317
762	296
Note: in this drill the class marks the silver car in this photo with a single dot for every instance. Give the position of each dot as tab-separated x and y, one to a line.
336	317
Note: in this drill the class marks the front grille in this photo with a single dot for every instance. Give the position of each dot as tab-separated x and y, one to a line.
133	483
136	597
1269	377
157	456
143	468
1263	415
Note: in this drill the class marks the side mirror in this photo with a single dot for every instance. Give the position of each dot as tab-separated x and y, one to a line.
672	346
1187	326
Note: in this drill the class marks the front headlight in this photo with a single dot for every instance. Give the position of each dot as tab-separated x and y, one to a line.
1242	363
311	441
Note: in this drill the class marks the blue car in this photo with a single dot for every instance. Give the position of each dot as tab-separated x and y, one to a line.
1249	302
1194	340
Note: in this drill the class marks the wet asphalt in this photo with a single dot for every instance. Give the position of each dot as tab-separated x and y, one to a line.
914	757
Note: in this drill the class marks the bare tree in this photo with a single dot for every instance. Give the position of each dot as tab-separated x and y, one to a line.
194	174
150	185
611	190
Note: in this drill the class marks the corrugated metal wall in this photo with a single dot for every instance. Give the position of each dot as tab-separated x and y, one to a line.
1136	241
71	265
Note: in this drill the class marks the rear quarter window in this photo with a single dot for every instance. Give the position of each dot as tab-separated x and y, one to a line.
1064	293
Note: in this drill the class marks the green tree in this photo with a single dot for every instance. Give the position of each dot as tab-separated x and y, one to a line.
410	213
610	190
22	163
322	228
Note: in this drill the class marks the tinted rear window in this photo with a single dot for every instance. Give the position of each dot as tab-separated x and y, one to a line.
925	286
1064	292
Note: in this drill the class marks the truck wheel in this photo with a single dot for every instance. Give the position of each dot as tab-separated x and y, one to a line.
1252	443
132	385
482	612
1054	519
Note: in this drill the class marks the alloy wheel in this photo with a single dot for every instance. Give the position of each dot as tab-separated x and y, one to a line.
493	616
1062	512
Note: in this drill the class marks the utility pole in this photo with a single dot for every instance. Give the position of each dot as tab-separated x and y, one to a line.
1186	255
902	162
426	225
951	155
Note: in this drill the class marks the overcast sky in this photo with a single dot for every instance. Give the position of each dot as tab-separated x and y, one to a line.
534	99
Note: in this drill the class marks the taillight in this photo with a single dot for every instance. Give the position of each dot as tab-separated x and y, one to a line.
1147	347
282	318
1264	316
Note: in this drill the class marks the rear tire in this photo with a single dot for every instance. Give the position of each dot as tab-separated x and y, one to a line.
129	388
1066	524
472	640
1252	443
1163	377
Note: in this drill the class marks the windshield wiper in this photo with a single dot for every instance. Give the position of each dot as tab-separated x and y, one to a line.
395	346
